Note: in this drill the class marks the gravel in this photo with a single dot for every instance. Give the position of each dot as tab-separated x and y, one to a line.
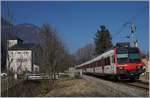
112	89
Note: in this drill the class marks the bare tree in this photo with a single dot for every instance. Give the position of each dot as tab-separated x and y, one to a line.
84	54
50	44
55	56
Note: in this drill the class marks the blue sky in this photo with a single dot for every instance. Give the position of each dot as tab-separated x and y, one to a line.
77	22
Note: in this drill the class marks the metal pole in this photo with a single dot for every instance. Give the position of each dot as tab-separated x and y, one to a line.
133	28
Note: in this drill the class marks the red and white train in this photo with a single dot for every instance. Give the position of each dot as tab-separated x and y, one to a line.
121	62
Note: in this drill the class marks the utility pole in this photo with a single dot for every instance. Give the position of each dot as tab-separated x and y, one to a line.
132	40
10	30
8	61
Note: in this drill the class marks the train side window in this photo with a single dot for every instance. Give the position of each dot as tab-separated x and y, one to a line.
97	63
94	64
100	63
105	62
108	63
90	65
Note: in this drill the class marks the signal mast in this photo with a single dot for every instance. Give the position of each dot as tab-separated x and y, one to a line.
132	28
133	42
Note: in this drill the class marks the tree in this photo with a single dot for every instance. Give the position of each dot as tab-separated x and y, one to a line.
55	57
103	40
48	43
84	54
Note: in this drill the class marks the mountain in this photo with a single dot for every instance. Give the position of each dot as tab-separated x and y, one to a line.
27	32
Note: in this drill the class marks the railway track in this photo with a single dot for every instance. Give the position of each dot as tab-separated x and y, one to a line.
121	88
139	84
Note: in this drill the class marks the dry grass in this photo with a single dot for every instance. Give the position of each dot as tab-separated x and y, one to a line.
75	87
28	89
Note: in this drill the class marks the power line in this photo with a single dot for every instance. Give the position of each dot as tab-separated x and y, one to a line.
120	29
138	14
129	22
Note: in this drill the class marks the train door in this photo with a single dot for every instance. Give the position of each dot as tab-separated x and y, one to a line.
113	67
107	67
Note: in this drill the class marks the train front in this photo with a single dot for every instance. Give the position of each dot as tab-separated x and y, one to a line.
128	63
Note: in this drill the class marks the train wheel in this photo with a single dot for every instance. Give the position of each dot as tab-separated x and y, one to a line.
134	78
138	76
114	78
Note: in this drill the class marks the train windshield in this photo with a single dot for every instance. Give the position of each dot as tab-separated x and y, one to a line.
128	55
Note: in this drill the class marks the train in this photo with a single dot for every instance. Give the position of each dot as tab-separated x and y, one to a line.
116	63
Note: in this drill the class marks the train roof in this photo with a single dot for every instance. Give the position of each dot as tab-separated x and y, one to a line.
96	58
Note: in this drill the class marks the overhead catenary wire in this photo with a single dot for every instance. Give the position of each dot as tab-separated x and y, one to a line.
132	20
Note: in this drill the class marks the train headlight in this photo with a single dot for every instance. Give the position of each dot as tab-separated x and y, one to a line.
121	67
138	67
